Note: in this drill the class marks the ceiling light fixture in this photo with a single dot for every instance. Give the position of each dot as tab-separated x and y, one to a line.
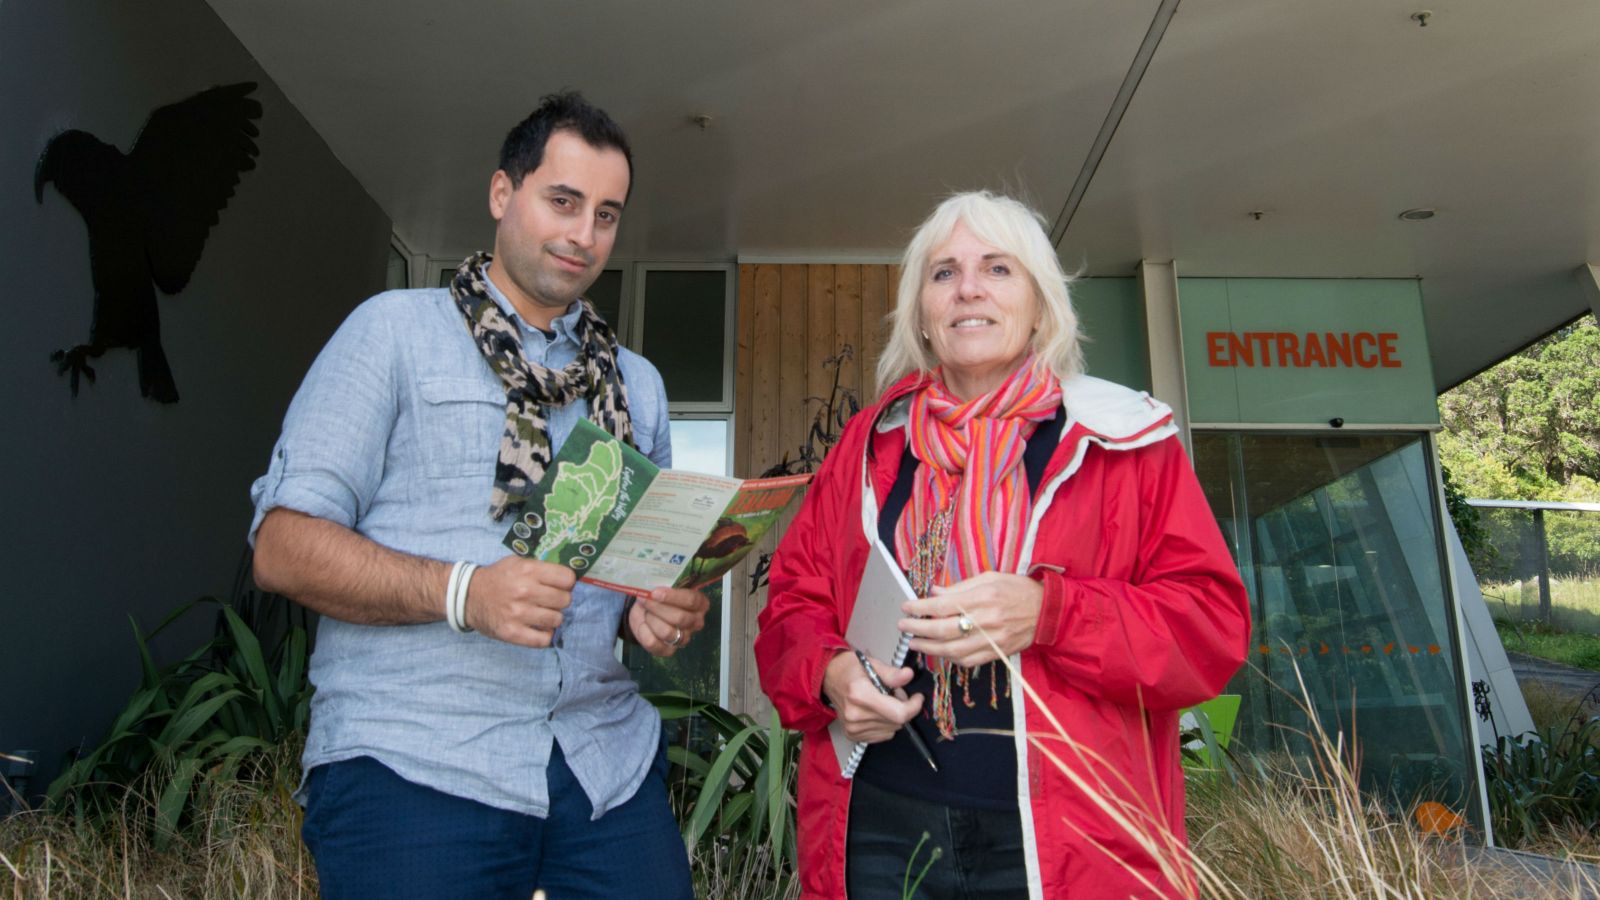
1420	214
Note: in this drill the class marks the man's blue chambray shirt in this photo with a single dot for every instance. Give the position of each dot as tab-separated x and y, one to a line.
394	434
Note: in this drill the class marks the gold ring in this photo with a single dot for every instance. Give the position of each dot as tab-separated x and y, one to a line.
964	623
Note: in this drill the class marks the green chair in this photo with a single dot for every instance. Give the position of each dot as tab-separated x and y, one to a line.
1220	713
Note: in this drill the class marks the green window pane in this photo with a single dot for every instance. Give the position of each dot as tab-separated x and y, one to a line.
685	315
1111	314
606	295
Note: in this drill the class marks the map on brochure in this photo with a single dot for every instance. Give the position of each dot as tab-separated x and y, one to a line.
621	522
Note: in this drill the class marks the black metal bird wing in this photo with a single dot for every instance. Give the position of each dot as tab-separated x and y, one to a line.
148	214
187	161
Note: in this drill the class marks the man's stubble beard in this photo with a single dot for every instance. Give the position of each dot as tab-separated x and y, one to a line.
546	285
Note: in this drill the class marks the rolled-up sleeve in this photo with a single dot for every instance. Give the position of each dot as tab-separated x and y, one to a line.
329	458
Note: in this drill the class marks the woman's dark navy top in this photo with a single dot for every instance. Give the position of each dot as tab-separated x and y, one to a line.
975	770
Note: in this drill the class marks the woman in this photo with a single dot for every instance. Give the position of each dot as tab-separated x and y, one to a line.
1043	516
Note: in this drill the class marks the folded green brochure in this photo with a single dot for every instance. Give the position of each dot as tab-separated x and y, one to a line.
621	522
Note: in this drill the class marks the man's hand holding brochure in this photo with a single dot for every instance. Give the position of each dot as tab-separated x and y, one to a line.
621	522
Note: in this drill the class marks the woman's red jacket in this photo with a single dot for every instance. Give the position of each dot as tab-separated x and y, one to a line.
1144	614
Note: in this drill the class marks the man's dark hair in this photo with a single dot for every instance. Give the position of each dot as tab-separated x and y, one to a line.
523	149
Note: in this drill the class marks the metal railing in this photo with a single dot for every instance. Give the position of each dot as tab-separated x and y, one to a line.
1546	543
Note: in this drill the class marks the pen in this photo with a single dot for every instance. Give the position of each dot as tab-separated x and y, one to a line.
916	739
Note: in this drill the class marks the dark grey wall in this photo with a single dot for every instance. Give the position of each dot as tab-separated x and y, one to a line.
111	505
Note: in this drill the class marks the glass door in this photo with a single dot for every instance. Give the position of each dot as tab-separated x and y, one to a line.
1338	539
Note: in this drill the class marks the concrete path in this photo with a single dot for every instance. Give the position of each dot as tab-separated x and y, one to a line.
1568	679
1545	876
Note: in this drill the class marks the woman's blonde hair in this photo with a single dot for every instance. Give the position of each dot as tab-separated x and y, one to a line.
1006	225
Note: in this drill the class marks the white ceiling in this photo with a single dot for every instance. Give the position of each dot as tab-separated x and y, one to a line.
835	125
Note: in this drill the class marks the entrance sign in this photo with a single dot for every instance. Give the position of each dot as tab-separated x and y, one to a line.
1285	351
1313	349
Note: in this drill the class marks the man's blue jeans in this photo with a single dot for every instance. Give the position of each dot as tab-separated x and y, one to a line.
374	834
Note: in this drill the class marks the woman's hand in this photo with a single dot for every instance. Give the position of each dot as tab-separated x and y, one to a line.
664	623
1002	608
866	714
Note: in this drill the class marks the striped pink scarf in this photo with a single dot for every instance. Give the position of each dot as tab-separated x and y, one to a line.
984	438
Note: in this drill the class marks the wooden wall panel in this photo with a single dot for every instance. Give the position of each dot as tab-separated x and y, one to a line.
791	318
847	326
743	362
874	306
759	430
820	344
791	387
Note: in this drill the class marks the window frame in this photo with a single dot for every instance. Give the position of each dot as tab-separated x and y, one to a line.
725	637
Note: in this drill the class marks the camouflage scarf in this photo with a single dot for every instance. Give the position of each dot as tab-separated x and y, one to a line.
525	447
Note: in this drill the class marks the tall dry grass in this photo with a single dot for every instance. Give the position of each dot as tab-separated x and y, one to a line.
244	842
725	873
1574	601
1287	838
1552	705
1303	828
1278	828
1282	829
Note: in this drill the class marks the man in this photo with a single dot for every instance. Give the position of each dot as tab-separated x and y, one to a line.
504	748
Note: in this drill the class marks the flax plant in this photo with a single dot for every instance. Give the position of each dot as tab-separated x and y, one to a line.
209	714
733	787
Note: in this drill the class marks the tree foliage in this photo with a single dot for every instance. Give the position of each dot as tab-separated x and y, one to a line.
1529	428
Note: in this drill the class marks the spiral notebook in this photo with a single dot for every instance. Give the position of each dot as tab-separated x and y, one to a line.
873	629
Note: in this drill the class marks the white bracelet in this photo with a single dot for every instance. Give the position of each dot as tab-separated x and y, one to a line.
459	605
450	592
450	595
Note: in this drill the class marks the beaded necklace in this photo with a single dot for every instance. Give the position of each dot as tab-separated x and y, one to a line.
926	564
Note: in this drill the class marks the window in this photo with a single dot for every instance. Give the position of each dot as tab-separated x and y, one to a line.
606	294
687	327
680	317
1338	539
699	670
398	276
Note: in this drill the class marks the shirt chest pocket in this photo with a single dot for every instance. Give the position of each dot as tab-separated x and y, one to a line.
459	425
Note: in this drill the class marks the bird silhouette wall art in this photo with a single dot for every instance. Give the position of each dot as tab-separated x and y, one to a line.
148	213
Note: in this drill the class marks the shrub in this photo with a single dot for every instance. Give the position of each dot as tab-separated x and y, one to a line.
206	715
1545	780
733	788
